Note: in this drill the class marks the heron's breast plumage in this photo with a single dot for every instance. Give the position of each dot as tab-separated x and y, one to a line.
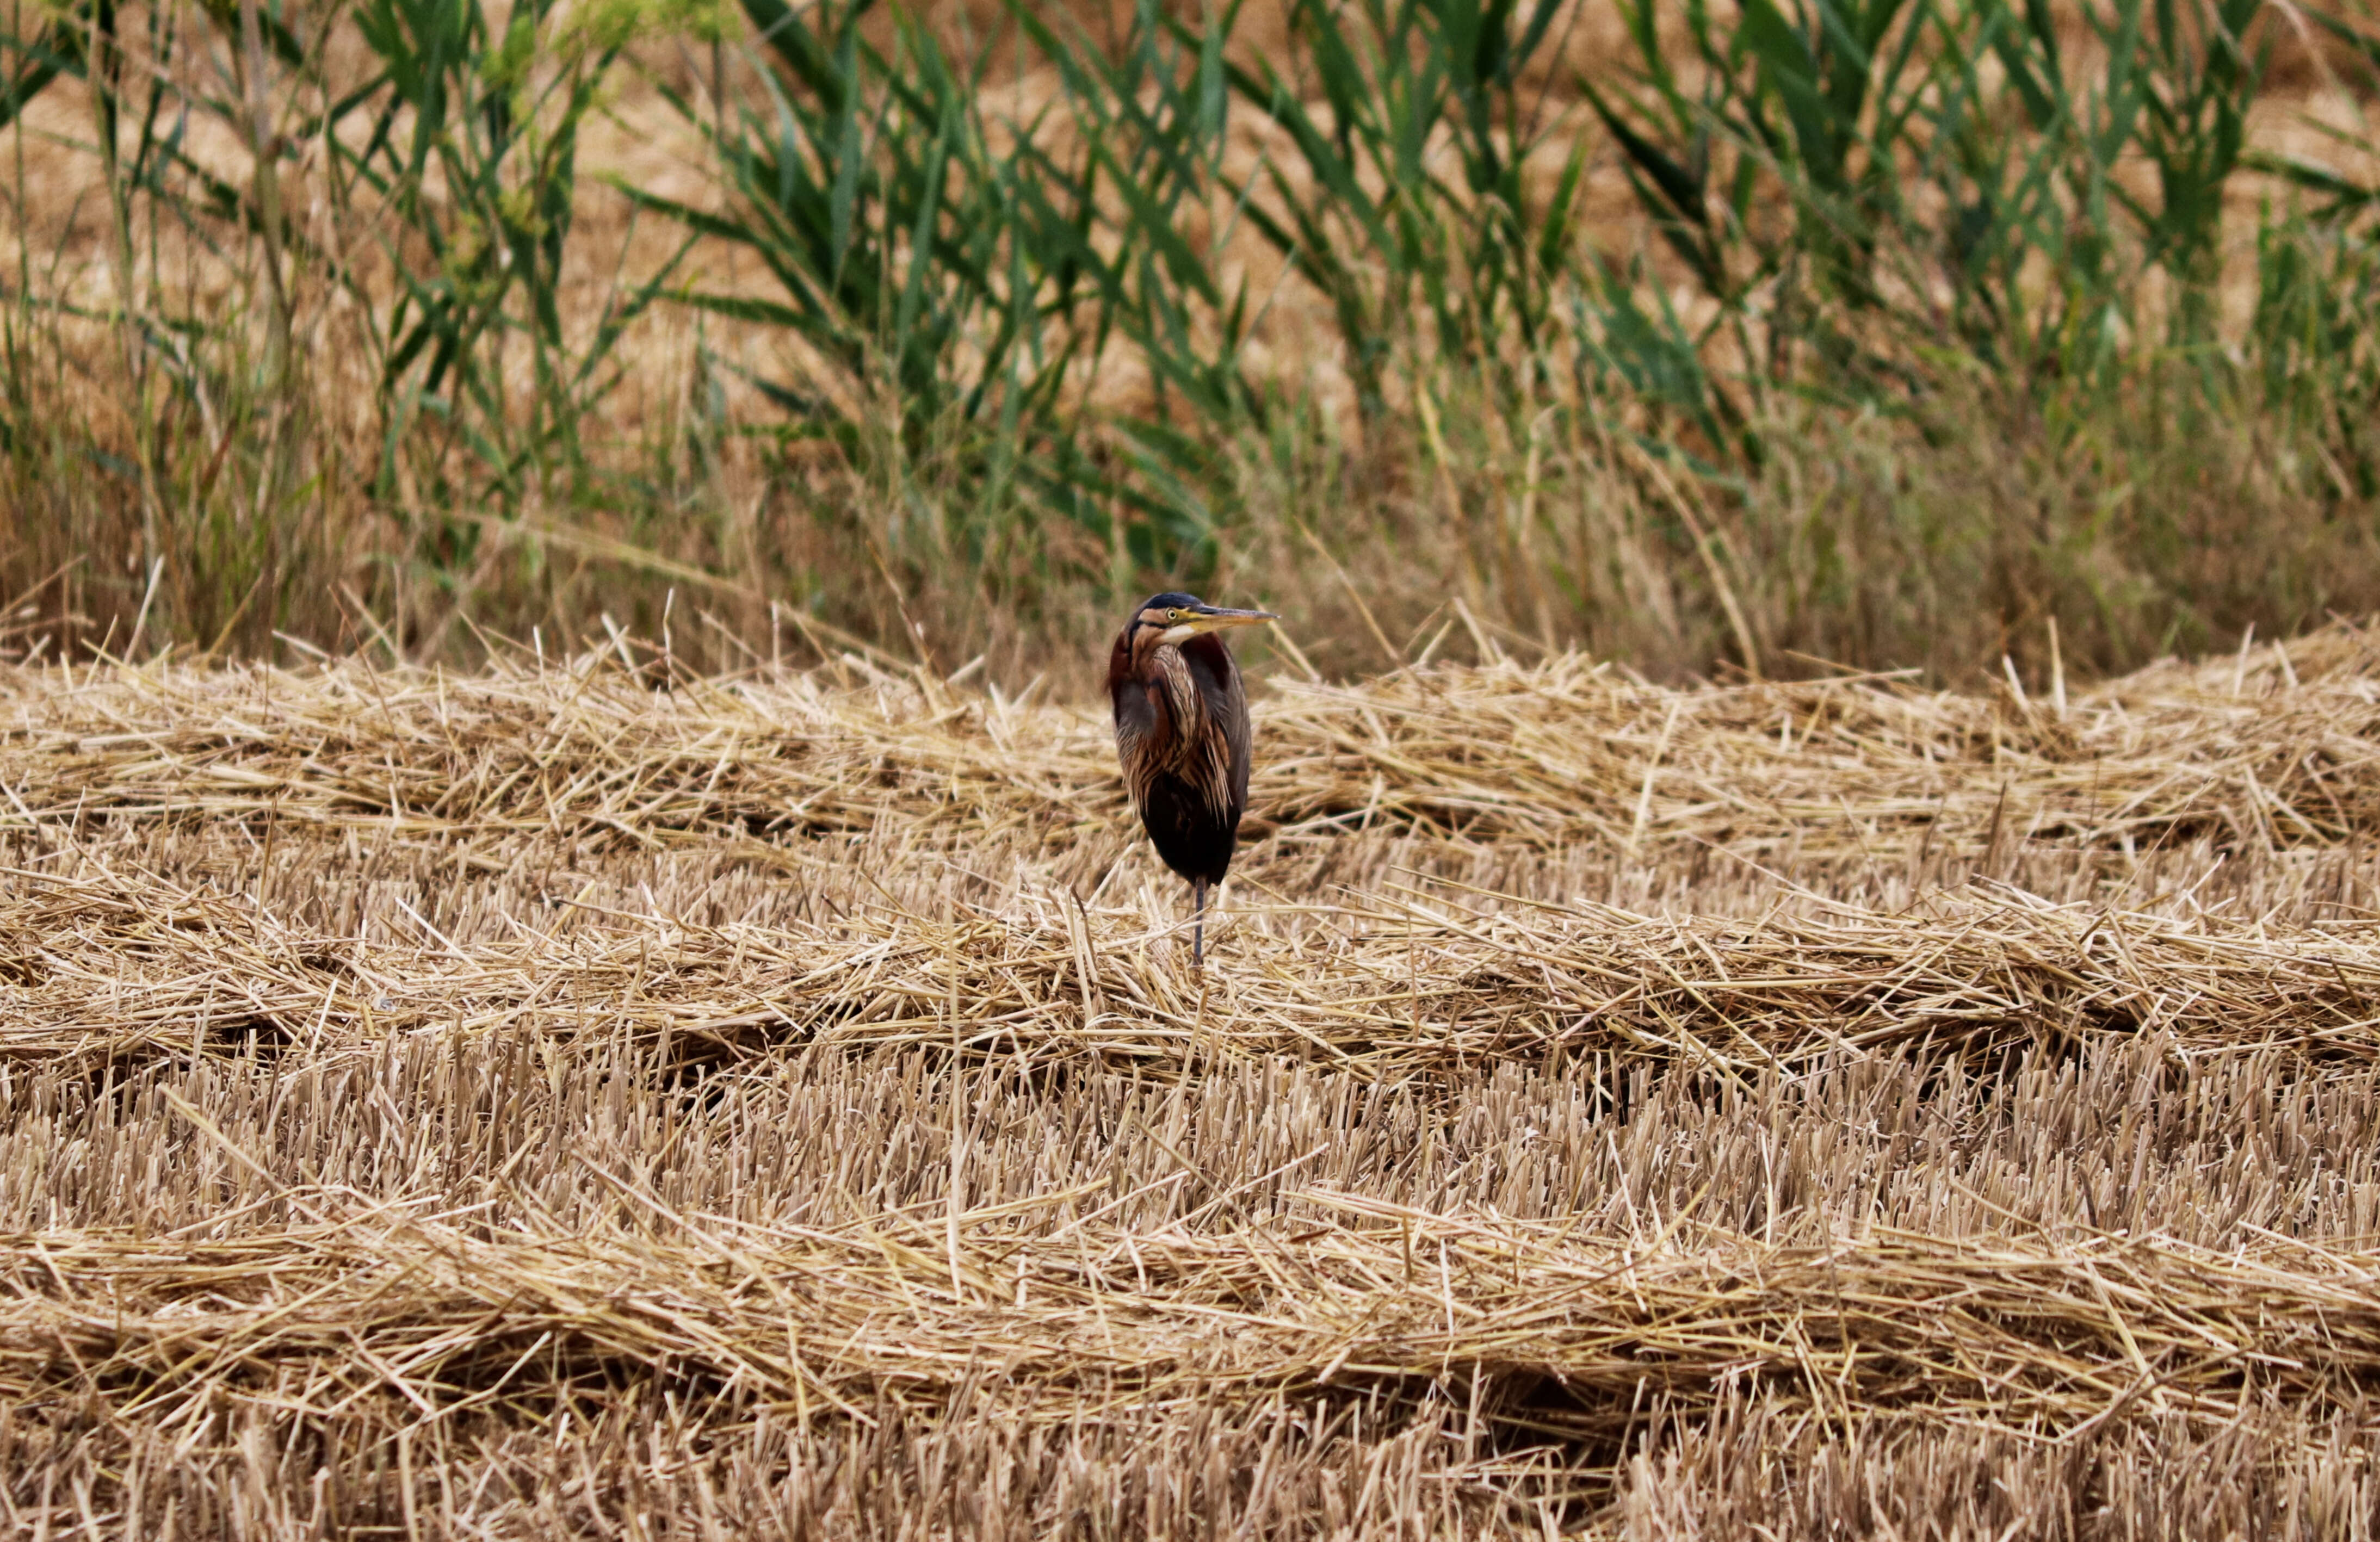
1194	752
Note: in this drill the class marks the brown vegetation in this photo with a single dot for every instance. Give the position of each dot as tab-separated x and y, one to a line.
200	492
584	1098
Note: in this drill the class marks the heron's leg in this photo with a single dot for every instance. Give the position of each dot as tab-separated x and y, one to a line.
1198	924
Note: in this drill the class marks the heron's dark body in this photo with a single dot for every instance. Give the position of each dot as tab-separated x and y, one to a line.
1182	734
1191	814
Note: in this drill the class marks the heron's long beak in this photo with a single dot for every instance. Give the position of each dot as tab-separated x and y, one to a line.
1213	618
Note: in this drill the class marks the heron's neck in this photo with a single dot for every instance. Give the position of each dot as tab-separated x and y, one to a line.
1181	696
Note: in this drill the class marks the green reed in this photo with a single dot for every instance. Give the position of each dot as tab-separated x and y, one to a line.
1879	241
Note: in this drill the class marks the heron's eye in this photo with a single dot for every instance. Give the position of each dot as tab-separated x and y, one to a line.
1173	616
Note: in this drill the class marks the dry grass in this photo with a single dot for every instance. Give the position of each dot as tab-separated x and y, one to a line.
1932	554
2271	747
544	1103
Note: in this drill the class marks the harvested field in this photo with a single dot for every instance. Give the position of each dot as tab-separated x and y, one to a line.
575	1101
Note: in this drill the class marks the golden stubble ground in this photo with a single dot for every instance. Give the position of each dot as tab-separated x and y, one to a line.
575	1100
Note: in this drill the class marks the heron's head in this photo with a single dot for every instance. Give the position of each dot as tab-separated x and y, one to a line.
1175	619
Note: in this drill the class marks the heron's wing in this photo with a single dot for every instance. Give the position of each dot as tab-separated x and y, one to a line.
1141	731
1235	720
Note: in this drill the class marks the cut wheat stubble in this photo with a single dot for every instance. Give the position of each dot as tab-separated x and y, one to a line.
537	1090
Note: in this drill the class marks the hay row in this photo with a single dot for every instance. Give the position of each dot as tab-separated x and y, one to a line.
415	1320
381	1105
2273	747
1397	983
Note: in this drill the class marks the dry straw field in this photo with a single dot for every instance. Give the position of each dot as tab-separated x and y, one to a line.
585	1098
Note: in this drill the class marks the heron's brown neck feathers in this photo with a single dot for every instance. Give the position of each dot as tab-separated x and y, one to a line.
1170	672
1181	741
1201	753
1161	665
1145	648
